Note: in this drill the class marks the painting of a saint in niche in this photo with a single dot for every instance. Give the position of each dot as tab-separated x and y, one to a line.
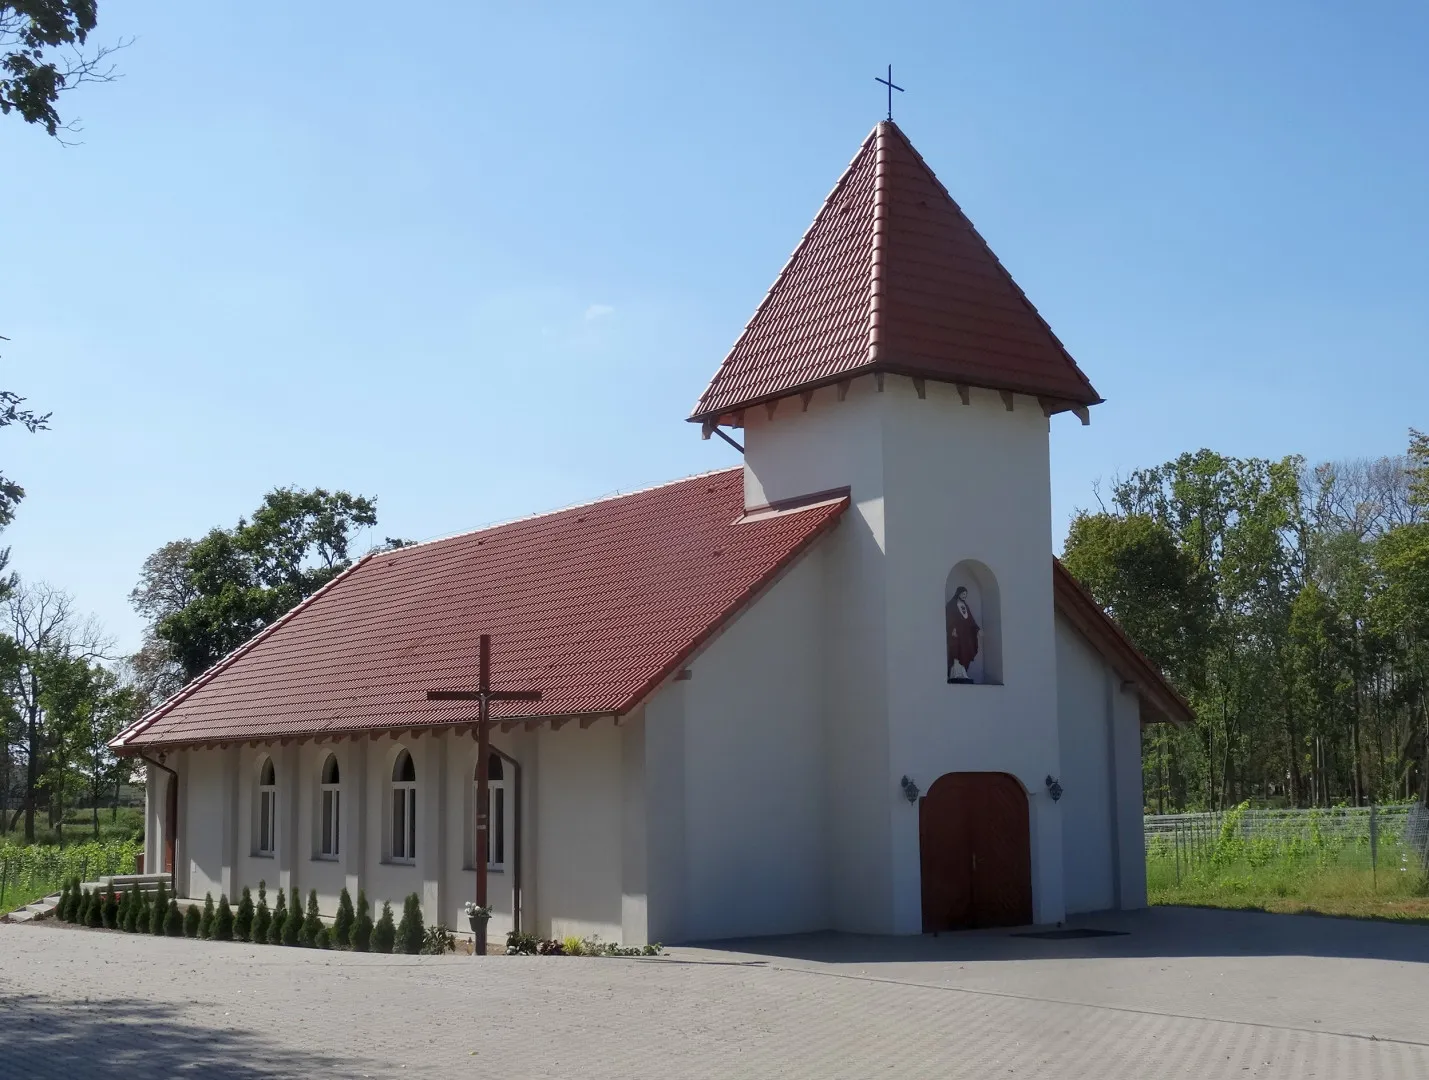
964	637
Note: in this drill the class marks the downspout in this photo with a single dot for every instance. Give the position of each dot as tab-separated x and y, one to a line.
516	898
171	819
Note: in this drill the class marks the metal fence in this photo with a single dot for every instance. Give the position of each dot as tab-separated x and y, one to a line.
1392	838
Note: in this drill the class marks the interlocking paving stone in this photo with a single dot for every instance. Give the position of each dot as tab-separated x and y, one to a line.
1185	994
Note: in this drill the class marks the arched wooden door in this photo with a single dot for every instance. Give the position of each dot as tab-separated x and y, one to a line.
976	852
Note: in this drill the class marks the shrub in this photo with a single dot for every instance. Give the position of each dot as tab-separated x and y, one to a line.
141	921
262	917
280	918
550	947
191	921
173	921
205	923
109	913
243	920
322	939
410	929
384	933
94	916
157	911
519	943
342	924
360	940
63	905
293	924
84	900
121	913
572	945
438	940
223	920
132	906
312	922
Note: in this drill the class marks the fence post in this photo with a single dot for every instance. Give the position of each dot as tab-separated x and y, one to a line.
1176	835
1373	848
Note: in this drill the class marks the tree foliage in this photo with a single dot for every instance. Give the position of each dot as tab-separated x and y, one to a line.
205	598
1291	606
44	50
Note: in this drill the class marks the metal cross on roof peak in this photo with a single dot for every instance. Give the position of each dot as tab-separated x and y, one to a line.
888	82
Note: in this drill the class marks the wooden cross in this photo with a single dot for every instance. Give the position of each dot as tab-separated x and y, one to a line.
483	695
888	82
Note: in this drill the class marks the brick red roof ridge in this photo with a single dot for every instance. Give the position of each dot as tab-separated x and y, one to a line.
936	300
789	264
197	683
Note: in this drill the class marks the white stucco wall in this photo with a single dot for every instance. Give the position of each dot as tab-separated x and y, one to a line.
754	764
1101	808
933	482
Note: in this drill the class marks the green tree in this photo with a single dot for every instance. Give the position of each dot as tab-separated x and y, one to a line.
157	910
173	920
384	934
262	917
293	924
192	919
342	923
279	920
223	920
206	920
45	50
360	939
312	922
410	930
243	919
240	580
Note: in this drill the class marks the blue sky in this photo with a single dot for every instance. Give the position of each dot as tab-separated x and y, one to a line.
480	261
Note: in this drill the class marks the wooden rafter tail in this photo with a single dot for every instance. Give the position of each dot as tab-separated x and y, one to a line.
843	385
558	722
920	387
1082	413
510	725
964	393
1007	398
770	407
535	723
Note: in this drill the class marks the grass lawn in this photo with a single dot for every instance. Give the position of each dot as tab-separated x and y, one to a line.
1304	887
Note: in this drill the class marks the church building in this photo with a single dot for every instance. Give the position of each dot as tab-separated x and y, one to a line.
842	686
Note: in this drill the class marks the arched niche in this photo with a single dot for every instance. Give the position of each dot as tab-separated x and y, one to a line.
972	624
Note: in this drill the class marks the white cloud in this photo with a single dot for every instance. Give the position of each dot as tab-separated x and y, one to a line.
598	311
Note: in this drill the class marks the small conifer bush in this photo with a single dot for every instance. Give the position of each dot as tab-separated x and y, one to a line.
293	924
157	911
191	920
82	915
322	939
360	939
94	917
109	913
262	917
410	930
312	922
280	919
205	922
384	934
243	917
342	924
121	913
141	920
132	905
223	920
62	908
173	920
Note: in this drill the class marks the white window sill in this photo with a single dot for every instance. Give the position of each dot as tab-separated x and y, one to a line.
263	855
399	862
327	858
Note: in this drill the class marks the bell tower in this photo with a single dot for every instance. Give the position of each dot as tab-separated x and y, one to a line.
894	356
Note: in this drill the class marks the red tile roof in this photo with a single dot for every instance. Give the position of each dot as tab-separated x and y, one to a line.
893	277
596	606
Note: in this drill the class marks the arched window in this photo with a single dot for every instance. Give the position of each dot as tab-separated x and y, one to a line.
266	831
495	813
973	624
404	809
331	809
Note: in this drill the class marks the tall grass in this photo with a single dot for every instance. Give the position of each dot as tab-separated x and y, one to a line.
28	872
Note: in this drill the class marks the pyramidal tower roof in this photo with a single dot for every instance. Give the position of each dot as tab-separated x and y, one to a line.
892	277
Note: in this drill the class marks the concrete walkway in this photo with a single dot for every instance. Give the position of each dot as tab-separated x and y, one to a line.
1180	993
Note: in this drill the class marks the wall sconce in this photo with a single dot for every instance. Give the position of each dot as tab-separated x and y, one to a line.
1054	788
910	789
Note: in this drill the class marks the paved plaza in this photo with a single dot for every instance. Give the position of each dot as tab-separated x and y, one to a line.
1183	993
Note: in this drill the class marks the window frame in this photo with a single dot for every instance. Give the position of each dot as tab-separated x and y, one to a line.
402	822
330	810
265	840
495	814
